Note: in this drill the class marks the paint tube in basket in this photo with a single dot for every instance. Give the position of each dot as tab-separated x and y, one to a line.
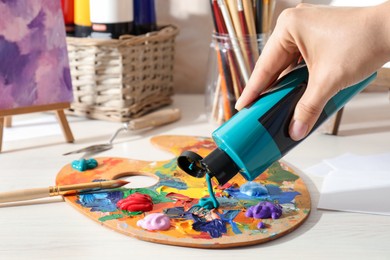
111	18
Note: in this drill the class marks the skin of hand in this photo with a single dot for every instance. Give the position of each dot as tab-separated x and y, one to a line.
340	45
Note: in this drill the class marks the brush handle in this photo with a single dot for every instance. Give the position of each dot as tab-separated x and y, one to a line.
160	117
28	194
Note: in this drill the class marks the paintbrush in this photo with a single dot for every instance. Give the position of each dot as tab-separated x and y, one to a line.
36	193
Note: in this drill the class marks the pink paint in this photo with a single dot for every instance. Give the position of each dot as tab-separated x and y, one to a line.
155	221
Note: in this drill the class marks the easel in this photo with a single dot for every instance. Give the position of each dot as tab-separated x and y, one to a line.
332	126
6	118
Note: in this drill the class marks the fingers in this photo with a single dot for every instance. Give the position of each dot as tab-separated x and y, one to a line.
273	60
309	108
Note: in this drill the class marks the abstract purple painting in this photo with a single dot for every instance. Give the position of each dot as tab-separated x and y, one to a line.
34	66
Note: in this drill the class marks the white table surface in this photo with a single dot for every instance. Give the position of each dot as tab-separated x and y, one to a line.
32	156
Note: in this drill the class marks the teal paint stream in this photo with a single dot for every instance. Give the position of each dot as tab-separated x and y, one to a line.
211	202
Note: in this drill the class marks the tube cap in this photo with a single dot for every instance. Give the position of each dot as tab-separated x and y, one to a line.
217	164
191	163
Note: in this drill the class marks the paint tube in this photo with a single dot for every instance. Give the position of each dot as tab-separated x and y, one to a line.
68	13
144	16
82	19
111	18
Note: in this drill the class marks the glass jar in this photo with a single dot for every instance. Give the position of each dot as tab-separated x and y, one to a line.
230	63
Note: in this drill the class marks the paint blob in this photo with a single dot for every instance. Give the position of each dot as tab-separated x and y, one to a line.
253	189
83	164
264	209
214	228
136	202
155	221
260	225
100	201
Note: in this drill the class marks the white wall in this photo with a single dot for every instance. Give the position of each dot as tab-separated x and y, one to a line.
345	2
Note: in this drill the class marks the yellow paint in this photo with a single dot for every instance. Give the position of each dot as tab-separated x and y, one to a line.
185	227
195	193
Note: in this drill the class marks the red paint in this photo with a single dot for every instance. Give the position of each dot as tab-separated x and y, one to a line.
136	202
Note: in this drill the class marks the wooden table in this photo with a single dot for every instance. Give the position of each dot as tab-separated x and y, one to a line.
54	230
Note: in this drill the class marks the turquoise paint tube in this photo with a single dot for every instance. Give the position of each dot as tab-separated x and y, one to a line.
257	136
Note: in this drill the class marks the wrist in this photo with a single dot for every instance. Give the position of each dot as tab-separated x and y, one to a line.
381	18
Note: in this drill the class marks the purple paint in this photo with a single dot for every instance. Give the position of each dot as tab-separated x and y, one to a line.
260	225
263	210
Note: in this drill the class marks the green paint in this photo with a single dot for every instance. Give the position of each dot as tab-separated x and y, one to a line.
278	174
110	217
131	213
210	202
156	197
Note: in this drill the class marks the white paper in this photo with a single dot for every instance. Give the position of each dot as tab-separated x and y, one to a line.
378	162
321	169
356	191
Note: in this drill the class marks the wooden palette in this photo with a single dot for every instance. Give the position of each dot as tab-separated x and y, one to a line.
178	193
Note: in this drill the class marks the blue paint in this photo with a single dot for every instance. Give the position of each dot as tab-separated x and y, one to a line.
215	228
228	216
178	213
171	164
101	201
168	181
253	189
83	164
274	194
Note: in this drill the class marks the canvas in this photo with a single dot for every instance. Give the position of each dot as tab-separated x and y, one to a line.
34	67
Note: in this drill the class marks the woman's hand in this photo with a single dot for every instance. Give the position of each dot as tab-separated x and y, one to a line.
341	47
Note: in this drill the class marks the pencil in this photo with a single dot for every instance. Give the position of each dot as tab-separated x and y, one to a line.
224	87
249	16
36	193
259	16
216	99
265	18
246	36
233	38
238	28
223	70
250	21
271	12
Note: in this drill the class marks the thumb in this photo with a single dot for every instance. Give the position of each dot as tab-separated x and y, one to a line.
308	110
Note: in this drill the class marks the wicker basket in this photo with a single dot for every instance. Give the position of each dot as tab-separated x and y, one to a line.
118	80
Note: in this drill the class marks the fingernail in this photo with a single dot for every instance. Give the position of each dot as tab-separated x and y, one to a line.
238	104
298	130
